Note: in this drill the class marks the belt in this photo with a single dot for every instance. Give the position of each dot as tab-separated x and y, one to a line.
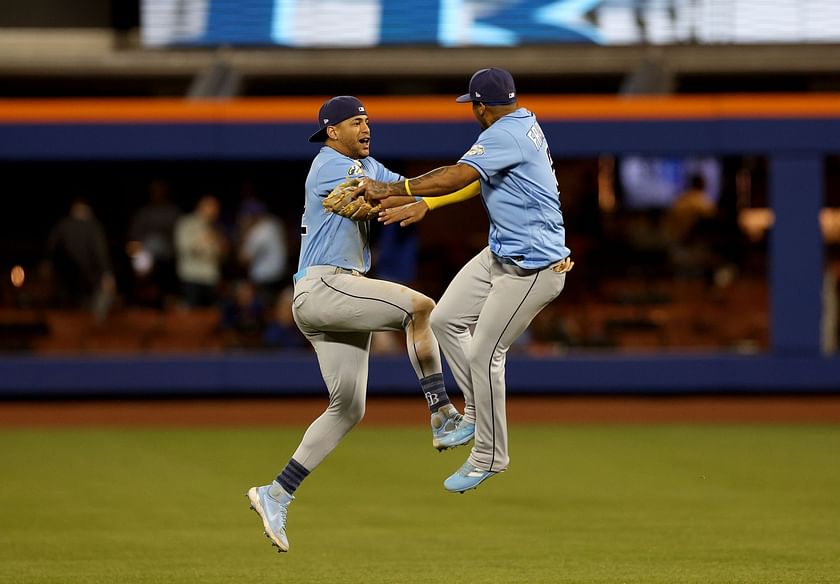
563	265
323	271
509	261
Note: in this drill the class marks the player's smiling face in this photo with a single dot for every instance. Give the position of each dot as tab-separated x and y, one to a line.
351	137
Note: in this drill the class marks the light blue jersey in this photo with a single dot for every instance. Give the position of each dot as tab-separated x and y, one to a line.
520	192
328	239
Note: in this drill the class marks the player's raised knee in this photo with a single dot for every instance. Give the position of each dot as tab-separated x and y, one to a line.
423	305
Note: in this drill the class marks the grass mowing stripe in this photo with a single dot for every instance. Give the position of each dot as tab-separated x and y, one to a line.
588	504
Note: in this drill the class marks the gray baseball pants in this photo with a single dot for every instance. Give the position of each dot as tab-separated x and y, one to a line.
337	310
486	307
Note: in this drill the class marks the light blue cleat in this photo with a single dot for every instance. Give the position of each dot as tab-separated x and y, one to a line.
449	429
273	512
465	478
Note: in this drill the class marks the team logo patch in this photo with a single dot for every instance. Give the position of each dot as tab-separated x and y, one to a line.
476	150
356	169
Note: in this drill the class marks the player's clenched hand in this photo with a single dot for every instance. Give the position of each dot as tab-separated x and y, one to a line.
406	215
346	200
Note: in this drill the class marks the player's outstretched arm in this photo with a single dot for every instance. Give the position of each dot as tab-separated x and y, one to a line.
437	182
412	212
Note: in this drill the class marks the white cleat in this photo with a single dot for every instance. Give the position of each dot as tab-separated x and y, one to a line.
273	512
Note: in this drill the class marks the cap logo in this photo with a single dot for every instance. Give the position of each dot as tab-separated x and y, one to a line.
326	120
512	94
361	109
477	94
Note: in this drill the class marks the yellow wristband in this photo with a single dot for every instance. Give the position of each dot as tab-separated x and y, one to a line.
407	190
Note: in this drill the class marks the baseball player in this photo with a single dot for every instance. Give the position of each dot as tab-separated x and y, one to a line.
337	307
499	292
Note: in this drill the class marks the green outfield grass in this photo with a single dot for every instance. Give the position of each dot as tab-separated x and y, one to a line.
618	504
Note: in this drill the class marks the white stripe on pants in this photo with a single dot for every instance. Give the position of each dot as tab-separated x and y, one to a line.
486	307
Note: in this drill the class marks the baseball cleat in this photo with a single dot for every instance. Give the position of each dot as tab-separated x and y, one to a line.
273	514
449	428
462	434
465	478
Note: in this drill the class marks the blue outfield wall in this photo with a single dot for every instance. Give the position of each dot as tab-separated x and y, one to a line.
795	148
298	374
429	140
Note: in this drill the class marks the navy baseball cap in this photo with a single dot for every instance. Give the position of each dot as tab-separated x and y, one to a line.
492	86
334	111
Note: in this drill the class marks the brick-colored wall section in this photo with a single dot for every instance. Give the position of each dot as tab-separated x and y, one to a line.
399	411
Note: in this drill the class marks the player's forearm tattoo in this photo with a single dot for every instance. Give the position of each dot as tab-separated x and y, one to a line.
375	190
440	181
432	178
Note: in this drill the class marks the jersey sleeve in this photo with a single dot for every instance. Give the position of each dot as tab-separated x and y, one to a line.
495	151
382	174
333	172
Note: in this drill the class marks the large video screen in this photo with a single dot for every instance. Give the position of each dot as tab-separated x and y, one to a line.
450	23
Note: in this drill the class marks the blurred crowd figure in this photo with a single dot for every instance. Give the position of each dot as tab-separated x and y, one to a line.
178	260
688	223
396	249
244	316
151	247
248	323
262	249
77	251
200	248
691	206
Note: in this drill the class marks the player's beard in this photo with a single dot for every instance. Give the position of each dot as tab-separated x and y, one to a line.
350	146
356	148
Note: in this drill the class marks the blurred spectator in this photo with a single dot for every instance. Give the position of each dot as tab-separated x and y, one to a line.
200	247
396	260
548	334
690	207
263	250
78	253
396	253
281	330
151	246
243	317
690	229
